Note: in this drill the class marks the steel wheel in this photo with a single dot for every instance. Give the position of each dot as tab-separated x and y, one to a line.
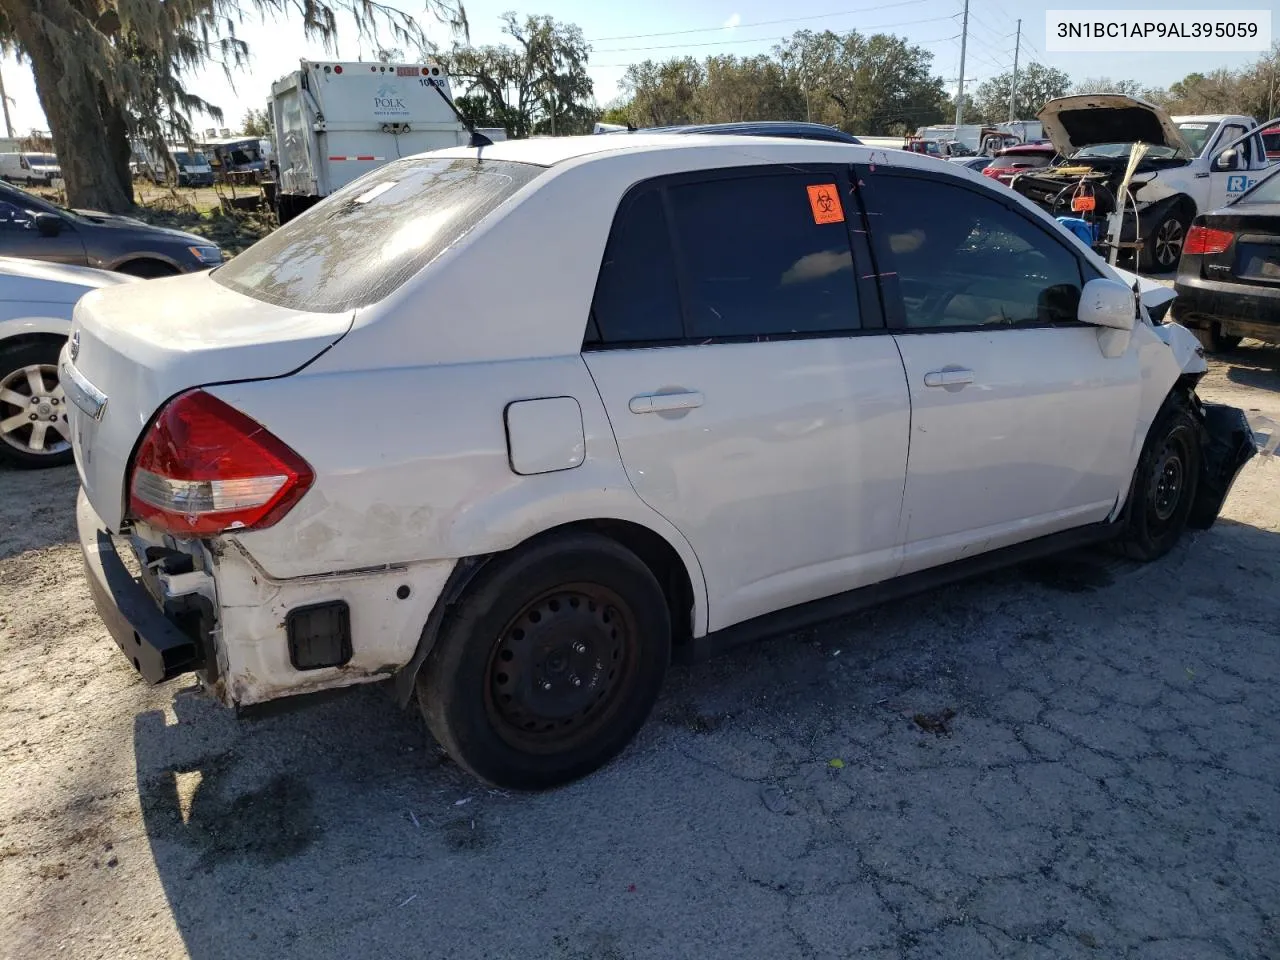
555	671
1167	243
1167	486
33	411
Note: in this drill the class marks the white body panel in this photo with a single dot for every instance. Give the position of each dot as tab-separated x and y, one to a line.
786	478
334	122
1037	441
784	484
37	297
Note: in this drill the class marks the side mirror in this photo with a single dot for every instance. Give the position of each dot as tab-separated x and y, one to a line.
1107	303
1227	160
49	224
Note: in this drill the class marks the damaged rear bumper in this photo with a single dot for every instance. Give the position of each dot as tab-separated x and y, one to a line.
1227	444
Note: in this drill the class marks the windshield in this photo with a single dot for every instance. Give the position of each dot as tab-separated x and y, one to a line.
41	159
186	159
1120	151
1197	134
360	244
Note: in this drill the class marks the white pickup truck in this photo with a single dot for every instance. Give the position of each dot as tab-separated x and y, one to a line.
1191	165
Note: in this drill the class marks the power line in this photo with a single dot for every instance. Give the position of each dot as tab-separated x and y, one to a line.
760	23
717	43
617	66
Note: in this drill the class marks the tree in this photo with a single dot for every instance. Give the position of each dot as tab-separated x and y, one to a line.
863	84
747	88
1129	88
663	94
107	72
537	84
256	123
1037	85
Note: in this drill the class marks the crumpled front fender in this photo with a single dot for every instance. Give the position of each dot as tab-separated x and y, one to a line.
1227	444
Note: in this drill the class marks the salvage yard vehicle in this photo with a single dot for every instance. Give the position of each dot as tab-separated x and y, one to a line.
334	122
752	384
1013	161
32	169
1229	279
36	229
36	300
1190	165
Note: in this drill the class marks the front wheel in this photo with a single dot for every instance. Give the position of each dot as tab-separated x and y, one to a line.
33	411
550	664
1163	249
1164	485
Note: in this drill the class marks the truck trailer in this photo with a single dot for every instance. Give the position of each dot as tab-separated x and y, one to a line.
333	122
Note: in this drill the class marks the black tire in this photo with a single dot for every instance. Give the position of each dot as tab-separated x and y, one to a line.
147	269
498	689
1164	484
15	448
1215	341
1163	247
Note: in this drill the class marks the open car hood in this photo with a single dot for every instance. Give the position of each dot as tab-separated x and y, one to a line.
1073	123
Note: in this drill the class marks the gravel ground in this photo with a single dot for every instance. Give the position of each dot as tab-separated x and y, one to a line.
1076	759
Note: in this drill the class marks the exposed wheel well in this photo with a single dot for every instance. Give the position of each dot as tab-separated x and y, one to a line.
23	339
147	268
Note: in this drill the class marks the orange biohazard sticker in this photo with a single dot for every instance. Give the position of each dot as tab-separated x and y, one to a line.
824	201
1083	203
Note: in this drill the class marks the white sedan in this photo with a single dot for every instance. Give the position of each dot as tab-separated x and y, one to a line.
513	426
36	299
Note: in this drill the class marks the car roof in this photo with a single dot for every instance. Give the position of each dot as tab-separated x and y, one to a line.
550	151
1018	148
1206	117
769	128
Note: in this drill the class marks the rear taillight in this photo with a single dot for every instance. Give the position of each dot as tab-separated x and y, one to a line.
992	171
204	467
1202	240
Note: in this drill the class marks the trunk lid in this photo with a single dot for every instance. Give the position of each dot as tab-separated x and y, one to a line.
1254	256
1086	120
140	344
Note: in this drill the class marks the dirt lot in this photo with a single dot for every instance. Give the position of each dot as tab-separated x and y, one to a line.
1078	759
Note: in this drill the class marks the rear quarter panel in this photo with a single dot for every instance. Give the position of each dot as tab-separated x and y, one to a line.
412	466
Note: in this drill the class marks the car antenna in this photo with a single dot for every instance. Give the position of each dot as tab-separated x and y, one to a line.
478	139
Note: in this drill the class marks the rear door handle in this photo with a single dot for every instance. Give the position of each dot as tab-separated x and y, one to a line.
948	378
659	402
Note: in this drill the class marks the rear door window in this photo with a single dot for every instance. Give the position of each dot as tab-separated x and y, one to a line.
765	256
366	239
738	257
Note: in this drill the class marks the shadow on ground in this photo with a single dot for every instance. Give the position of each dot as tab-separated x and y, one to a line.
1054	761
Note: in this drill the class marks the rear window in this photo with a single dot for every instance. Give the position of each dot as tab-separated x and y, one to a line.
369	237
1011	160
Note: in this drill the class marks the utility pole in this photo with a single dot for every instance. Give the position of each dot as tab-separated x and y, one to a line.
8	126
1013	88
964	39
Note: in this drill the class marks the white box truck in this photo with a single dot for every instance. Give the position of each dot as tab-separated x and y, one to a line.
333	122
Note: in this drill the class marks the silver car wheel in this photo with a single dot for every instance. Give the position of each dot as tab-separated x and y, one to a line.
33	411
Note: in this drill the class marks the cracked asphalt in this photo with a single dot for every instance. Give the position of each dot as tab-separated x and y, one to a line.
1078	759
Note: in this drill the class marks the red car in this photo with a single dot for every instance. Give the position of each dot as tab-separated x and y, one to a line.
1271	142
1011	161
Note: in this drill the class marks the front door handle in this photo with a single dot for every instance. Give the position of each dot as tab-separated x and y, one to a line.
659	402
950	377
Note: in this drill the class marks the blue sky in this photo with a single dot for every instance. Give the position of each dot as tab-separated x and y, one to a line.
622	34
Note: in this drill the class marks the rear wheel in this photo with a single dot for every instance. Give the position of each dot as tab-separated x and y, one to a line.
1164	485
1215	341
550	664
33	411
